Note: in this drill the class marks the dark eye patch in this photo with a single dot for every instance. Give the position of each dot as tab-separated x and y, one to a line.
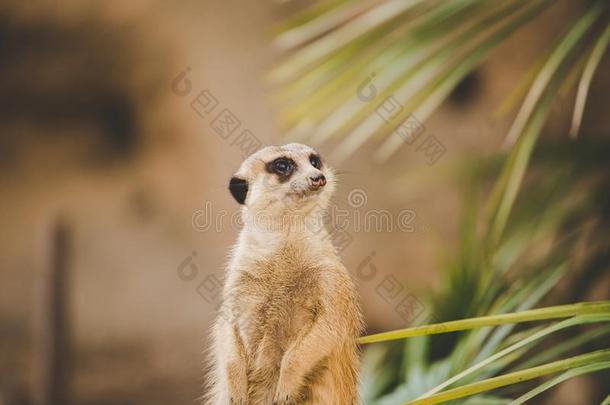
315	160
283	167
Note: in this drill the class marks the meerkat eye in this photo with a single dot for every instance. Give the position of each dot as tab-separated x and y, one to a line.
315	161
281	165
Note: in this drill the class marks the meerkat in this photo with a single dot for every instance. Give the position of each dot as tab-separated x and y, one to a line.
287	328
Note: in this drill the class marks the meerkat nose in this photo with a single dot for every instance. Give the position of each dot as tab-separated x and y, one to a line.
317	181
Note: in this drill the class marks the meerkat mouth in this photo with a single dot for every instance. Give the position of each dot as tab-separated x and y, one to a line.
307	193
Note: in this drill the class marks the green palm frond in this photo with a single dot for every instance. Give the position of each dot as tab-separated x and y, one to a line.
561	311
588	362
573	372
587	77
559	195
416	51
512	257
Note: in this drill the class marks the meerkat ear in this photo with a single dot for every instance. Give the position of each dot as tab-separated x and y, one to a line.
239	189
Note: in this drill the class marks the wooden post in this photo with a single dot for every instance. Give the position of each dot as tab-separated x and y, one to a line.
51	353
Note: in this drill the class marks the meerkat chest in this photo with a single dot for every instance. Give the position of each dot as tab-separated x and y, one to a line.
275	300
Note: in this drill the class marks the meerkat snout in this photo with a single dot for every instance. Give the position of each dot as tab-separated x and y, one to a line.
318	181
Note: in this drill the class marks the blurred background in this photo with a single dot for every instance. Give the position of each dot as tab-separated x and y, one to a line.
116	218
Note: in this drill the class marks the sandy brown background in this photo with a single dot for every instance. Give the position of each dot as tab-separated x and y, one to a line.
139	330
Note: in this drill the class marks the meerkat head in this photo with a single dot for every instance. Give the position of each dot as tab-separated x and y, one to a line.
277	179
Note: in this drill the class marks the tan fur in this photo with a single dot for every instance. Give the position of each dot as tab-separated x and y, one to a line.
287	330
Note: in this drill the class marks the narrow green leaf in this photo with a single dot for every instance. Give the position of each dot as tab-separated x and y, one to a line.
587	77
578	320
377	18
335	107
330	17
413	94
430	98
528	124
554	312
486	400
507	187
316	10
589	368
541	287
517	377
563	347
557	57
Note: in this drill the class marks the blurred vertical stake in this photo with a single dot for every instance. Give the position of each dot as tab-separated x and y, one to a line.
51	361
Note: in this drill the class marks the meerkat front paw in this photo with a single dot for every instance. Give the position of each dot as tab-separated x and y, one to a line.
287	392
283	399
238	384
238	398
